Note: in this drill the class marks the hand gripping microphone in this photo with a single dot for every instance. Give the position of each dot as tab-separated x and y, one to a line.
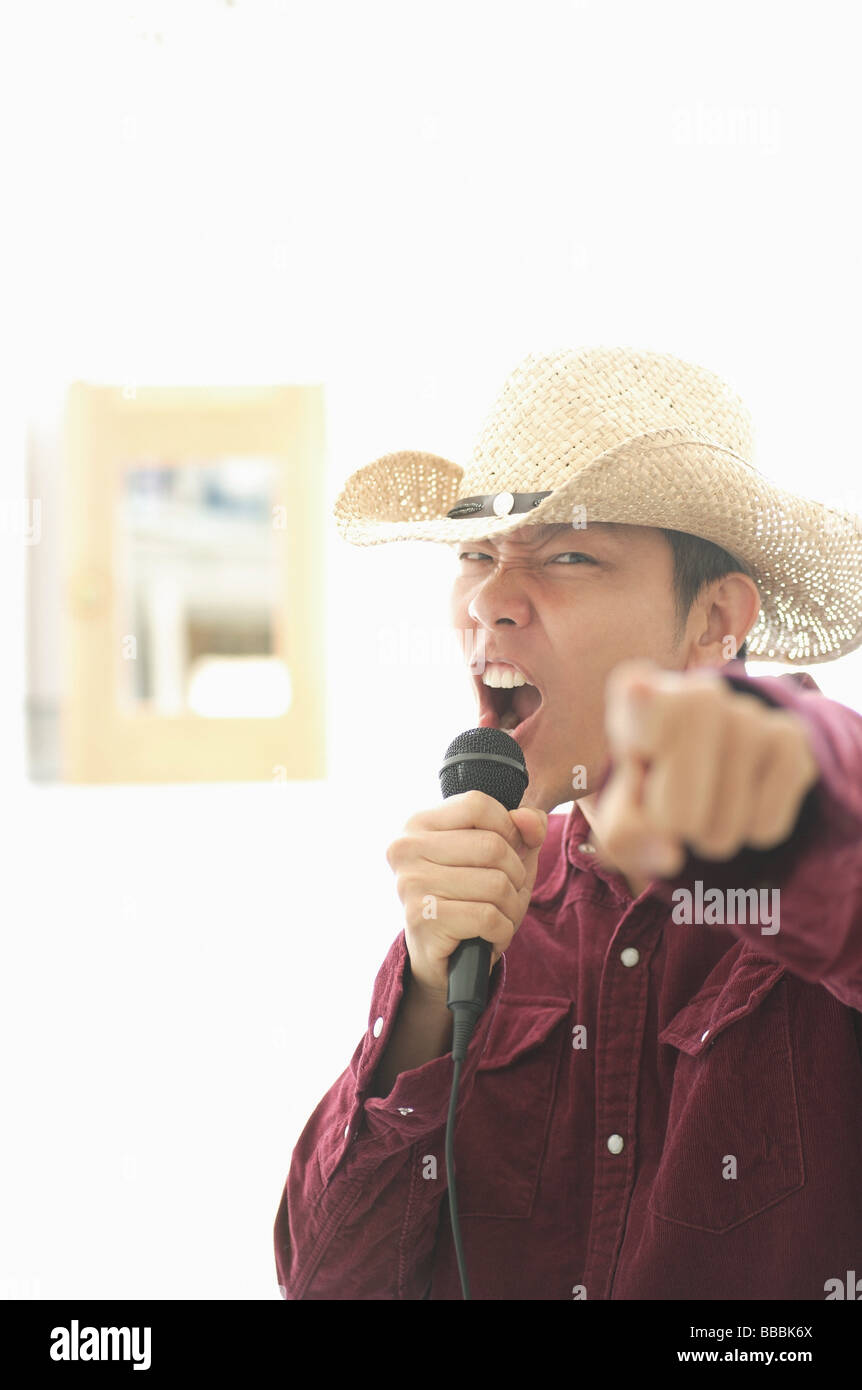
491	761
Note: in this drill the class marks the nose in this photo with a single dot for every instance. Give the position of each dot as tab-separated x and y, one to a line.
499	600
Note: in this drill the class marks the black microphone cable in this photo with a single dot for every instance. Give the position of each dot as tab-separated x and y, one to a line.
468	991
487	760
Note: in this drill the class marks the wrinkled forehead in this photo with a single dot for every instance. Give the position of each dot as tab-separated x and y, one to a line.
533	537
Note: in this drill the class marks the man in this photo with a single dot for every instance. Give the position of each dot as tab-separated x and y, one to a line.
663	1096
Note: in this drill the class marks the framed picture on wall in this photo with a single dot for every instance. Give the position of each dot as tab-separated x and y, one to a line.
193	582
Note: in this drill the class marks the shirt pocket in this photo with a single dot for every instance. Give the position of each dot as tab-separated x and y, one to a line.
502	1131
733	1146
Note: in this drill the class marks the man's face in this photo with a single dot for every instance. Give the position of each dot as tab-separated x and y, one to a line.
565	605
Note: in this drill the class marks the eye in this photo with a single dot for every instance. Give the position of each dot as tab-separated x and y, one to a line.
578	555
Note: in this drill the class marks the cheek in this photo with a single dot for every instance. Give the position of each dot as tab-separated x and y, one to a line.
651	613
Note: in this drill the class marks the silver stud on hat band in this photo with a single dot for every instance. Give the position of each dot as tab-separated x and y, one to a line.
496	504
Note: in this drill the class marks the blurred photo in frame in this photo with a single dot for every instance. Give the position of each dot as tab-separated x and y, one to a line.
192	582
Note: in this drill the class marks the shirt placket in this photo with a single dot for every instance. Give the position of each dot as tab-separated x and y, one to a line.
620	1026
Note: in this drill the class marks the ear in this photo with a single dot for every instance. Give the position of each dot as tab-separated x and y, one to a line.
721	618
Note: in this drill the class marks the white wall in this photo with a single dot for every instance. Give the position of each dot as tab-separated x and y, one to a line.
398	200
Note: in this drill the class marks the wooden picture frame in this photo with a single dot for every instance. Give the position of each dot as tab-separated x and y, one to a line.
108	429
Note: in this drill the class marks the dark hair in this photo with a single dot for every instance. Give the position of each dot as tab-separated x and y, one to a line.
696	563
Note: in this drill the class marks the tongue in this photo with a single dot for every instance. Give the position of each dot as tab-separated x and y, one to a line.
525	701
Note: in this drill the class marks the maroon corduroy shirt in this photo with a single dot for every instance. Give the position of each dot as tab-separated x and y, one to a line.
650	1108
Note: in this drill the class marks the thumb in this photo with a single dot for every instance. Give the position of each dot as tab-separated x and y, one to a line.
532	824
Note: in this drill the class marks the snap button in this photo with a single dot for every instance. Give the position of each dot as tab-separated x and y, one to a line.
503	503
630	956
704	1036
346	1131
615	1143
587	849
405	1110
378	1027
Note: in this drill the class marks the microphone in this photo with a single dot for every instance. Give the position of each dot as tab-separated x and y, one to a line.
490	761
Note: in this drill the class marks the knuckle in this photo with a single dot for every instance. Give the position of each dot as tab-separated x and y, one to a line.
489	917
774	827
502	885
784	761
787	736
407	886
779	736
407	878
762	836
413	918
490	847
395	851
776	815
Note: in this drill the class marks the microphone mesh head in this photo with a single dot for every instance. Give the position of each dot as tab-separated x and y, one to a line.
479	772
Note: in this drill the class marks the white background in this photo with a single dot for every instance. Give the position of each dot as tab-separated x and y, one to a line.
398	200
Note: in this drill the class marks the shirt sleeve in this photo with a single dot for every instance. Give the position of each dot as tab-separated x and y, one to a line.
817	870
363	1199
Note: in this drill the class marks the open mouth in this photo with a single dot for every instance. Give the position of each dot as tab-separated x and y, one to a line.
513	710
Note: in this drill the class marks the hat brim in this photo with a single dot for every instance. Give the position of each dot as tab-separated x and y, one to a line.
805	557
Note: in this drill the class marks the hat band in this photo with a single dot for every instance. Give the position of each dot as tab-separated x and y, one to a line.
496	504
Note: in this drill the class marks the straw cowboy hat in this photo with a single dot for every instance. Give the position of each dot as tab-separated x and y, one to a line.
641	438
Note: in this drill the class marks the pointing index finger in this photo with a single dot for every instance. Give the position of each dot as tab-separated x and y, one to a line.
640	718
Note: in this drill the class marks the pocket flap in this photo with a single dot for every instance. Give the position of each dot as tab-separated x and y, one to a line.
718	1005
522	1022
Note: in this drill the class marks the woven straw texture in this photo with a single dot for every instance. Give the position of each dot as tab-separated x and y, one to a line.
639	438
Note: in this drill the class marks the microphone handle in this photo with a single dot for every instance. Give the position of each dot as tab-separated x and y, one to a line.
469	968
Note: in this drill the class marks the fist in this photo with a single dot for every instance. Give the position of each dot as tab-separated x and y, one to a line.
697	765
465	868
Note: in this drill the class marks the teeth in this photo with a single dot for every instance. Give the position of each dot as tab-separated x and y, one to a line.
502	677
